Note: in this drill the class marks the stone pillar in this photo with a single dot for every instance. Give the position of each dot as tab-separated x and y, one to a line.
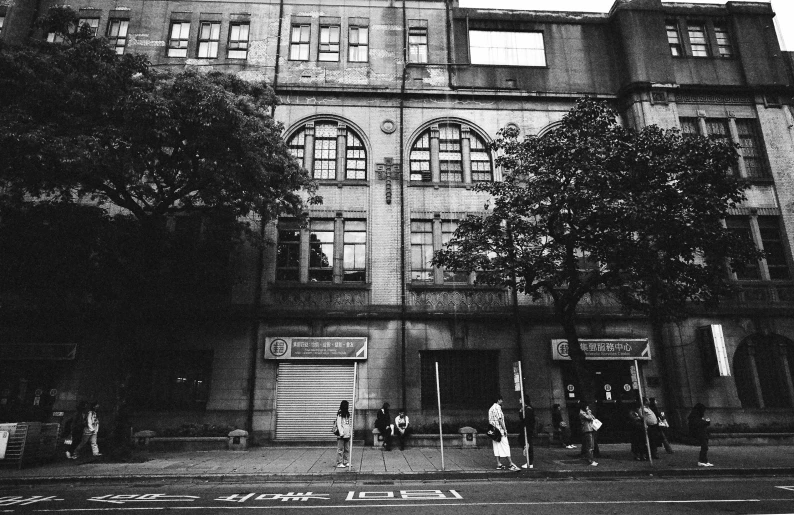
341	152
435	166
465	153
438	272
308	149
304	255
754	372
734	131
339	246
238	440
786	369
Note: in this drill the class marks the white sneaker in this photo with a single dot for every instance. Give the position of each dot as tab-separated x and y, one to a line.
594	464
341	465
709	464
701	464
68	454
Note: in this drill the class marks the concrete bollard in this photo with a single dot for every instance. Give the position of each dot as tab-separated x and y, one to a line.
238	440
377	439
141	438
468	437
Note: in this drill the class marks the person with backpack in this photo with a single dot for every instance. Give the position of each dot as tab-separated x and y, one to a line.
699	428
90	431
343	431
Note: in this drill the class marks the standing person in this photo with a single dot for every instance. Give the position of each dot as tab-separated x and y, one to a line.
384	425
75	427
90	431
401	429
561	427
637	433
699	428
501	449
345	430
663	425
586	418
652	423
527	418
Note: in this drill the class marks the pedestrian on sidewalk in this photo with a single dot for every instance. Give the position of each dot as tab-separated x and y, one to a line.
90	431
652	425
561	427
527	418
401	429
384	426
586	418
637	436
699	428
345	432
501	449
664	425
74	428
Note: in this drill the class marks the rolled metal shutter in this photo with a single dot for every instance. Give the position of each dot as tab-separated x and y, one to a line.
308	397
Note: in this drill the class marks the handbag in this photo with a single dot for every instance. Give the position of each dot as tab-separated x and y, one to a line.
335	428
596	424
494	433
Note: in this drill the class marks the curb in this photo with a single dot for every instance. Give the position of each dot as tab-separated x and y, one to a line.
346	477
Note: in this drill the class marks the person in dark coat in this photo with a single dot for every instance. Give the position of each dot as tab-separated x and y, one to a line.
699	428
560	426
383	423
74	428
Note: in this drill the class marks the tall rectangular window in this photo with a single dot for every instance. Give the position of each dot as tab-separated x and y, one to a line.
774	247
288	251
92	23
480	161
355	251
417	45
325	151
448	229
299	43
507	48
449	156
420	159
467	378
752	148
698	40
723	40
689	126
117	34
358	45
208	40
178	39
321	251
356	158
421	250
238	41
742	230
674	38
329	43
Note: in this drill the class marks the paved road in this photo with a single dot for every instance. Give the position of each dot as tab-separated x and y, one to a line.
504	496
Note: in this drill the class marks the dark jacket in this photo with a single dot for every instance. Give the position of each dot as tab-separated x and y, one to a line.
383	421
698	425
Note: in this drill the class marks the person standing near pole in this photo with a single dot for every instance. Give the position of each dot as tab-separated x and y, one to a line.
344	432
527	417
501	449
586	418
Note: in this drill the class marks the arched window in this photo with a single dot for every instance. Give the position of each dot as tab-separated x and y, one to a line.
763	369
452	153
326	147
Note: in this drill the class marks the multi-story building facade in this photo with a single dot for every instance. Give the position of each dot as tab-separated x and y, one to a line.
390	105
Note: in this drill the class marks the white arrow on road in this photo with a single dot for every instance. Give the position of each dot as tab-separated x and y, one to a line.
121	499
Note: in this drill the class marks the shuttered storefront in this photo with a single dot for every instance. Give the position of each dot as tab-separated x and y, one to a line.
308	397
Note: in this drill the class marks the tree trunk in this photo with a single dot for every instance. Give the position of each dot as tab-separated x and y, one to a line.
578	359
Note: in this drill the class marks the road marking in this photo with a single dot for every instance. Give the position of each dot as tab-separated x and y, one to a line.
411	505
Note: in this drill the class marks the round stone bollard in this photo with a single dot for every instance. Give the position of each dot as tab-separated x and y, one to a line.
468	436
238	440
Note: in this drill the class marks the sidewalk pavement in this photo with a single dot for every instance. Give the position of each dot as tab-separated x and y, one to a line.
307	464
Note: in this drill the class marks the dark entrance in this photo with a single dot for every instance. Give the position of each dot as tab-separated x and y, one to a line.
614	393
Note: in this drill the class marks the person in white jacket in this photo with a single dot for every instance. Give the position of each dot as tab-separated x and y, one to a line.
90	432
345	432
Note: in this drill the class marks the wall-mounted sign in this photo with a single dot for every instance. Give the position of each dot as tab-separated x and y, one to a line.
311	347
605	349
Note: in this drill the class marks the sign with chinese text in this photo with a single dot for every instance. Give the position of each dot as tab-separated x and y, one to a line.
315	347
605	349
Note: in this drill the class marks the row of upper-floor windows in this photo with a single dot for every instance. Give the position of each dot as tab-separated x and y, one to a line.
446	152
335	250
745	132
701	39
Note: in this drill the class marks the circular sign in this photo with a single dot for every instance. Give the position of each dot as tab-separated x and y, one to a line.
570	387
627	387
278	347
608	387
38	392
562	349
53	392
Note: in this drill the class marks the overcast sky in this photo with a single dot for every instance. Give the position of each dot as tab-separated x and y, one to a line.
783	8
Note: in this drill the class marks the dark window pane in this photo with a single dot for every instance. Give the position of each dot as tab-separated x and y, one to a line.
467	379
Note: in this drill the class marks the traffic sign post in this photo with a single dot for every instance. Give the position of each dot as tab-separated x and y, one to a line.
518	379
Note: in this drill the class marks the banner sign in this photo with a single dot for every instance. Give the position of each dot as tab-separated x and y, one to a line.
605	349
311	347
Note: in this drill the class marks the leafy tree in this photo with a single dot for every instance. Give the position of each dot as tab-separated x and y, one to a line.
596	209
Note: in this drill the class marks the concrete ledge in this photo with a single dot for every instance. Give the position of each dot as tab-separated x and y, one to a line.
187	443
751	439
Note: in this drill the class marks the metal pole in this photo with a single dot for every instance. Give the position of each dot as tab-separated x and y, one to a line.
523	412
353	411
440	430
642	413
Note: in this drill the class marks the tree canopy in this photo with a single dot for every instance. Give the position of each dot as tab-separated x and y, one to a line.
592	207
81	122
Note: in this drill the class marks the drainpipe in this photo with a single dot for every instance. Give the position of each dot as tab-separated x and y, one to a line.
403	308
278	52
